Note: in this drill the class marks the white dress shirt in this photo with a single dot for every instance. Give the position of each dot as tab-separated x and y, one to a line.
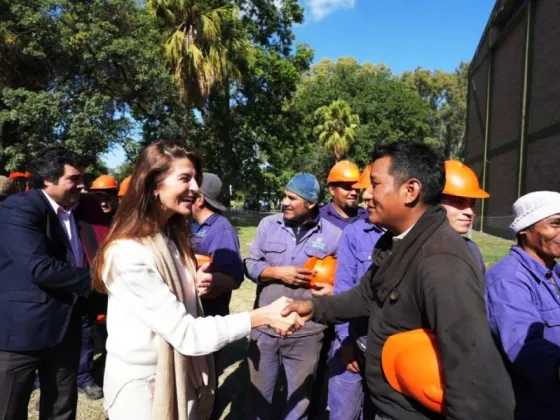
68	223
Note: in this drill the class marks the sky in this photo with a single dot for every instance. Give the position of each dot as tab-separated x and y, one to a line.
403	34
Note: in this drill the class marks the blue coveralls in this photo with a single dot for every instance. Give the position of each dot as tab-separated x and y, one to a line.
216	237
346	389
329	213
276	244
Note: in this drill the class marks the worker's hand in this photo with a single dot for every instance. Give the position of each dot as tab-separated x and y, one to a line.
204	280
293	276
322	289
304	308
348	355
282	325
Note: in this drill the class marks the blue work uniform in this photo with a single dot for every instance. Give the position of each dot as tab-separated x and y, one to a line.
278	243
329	213
346	389
523	305
217	238
474	248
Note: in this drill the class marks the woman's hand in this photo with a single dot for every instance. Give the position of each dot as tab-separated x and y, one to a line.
271	315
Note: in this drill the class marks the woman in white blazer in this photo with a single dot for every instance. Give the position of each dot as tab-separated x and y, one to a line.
158	344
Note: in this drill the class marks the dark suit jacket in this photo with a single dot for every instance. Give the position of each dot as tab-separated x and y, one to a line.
39	285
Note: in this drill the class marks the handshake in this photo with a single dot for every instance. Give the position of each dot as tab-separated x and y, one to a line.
284	316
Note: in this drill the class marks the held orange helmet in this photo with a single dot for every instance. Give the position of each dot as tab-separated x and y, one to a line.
124	186
202	259
461	181
322	270
412	366
104	182
344	171
364	181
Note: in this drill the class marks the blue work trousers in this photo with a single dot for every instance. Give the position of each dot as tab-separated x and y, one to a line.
348	398
299	356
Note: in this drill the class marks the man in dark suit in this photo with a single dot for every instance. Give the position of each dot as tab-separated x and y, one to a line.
48	240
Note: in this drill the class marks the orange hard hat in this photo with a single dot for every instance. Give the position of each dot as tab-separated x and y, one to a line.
202	259
412	366
104	182
322	270
16	174
364	180
344	171
124	186
461	181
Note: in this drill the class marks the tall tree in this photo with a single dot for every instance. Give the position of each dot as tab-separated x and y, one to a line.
446	94
245	127
201	39
84	74
387	109
336	127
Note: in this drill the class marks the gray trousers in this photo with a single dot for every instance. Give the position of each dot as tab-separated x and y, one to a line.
299	356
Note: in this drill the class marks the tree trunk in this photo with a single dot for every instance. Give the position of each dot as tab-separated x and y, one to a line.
226	143
186	125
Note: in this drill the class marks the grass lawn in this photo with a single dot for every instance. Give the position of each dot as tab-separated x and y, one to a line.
234	379
492	248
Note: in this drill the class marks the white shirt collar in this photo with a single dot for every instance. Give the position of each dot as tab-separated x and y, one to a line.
55	205
402	235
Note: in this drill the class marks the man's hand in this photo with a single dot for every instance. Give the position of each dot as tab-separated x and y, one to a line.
304	308
348	355
204	280
322	289
293	276
282	325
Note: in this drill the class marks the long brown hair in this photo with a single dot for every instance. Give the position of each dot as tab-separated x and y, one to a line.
137	212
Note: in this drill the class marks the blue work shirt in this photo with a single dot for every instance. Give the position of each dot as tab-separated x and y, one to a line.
474	248
523	302
353	260
329	213
216	237
275	245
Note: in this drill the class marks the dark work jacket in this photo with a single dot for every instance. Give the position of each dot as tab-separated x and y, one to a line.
40	287
432	280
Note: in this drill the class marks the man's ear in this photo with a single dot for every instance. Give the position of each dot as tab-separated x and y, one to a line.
411	190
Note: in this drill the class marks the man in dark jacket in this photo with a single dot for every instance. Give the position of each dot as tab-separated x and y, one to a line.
423	276
49	237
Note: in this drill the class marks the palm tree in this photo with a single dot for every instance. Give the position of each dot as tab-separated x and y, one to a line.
336	128
200	41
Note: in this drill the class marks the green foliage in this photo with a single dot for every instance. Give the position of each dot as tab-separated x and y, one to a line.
204	45
446	93
387	110
96	74
246	128
336	128
84	74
